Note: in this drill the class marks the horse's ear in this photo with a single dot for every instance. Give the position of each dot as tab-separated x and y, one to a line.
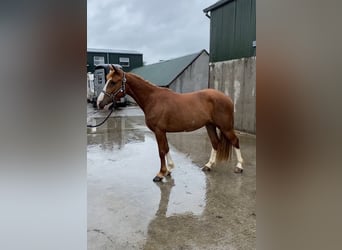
116	68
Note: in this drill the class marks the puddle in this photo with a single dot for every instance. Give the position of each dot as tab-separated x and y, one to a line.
122	160
197	210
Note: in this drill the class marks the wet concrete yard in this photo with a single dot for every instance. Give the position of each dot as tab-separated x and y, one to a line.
190	210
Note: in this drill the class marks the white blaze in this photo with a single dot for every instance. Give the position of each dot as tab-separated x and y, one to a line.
101	95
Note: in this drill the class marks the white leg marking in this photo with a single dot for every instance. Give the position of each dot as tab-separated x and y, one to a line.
239	158
170	164
212	159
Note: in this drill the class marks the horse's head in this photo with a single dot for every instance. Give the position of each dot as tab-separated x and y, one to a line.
114	88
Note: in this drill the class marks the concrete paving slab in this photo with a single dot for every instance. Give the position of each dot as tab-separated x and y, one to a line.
190	210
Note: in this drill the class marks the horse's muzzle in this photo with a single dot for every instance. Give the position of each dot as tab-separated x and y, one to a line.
100	105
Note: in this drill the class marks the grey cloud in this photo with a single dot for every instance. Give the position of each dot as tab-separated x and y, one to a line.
158	29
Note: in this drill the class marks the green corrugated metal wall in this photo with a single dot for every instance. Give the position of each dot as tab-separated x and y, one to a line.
90	60
232	31
135	60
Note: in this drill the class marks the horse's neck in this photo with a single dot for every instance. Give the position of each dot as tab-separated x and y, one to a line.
139	89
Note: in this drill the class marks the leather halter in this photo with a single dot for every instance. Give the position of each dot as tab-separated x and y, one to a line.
122	89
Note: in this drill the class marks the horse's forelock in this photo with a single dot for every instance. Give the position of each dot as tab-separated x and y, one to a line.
110	74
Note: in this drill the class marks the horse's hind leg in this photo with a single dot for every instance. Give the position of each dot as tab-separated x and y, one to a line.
170	164
232	137
163	148
211	129
238	167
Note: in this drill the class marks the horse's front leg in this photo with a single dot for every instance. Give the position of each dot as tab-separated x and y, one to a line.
163	148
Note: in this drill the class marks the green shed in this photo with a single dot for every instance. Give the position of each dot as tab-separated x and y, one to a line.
128	59
183	74
232	29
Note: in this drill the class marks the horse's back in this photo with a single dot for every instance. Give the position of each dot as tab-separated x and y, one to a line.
174	112
205	99
216	97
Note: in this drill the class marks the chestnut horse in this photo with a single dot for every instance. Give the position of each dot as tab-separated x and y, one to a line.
167	111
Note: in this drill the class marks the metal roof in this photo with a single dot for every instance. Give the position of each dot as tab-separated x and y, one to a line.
164	72
117	51
216	5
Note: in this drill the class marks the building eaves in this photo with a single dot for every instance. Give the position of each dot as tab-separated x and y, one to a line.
216	5
165	72
113	51
194	59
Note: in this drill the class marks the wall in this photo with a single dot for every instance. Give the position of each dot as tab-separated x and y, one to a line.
236	78
195	77
90	60
233	30
136	60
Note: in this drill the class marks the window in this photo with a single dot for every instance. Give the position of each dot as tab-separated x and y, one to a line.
124	61
98	60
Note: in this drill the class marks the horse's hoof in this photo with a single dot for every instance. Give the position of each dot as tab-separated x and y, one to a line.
205	168
157	179
238	170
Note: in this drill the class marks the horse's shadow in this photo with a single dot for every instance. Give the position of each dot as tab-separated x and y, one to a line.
227	221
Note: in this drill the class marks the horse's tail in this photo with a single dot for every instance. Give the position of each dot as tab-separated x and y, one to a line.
224	148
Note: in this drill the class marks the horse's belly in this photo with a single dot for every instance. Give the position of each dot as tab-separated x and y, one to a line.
181	125
180	119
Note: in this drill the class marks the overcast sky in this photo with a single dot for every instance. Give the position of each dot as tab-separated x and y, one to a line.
158	29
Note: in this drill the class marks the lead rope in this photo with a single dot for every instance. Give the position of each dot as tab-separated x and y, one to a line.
98	125
122	89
